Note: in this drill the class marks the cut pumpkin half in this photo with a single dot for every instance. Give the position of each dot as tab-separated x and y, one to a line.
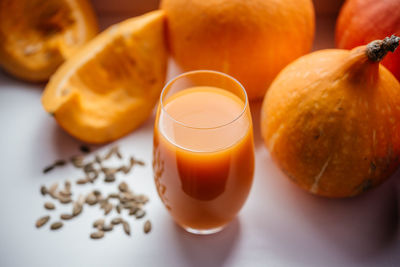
36	36
110	86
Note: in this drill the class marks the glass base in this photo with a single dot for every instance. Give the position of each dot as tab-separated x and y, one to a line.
204	232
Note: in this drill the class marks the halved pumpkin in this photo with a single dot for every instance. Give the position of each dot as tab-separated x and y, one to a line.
36	36
110	86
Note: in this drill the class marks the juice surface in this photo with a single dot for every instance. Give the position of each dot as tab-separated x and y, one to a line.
203	156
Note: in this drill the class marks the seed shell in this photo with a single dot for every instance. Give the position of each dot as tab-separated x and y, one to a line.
127	228
48	168
123	187
77	209
42	221
56	225
147	227
108	208
82	181
97	235
116	221
49	206
66	216
140	214
107	228
98	223
91	199
43	190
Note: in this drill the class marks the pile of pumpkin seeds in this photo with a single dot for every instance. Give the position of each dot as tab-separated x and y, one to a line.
122	199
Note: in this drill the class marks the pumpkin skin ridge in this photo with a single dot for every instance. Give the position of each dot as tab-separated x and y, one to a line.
278	152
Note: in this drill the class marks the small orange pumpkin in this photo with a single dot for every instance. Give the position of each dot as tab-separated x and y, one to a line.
331	120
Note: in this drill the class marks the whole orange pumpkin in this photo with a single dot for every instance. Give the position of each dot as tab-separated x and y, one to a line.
362	21
251	40
331	120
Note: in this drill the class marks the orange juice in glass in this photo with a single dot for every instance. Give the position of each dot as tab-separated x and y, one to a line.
203	154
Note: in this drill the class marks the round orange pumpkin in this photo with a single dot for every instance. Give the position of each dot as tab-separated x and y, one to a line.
331	120
362	21
251	40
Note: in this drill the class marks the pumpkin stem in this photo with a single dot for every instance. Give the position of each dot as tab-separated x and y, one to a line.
377	50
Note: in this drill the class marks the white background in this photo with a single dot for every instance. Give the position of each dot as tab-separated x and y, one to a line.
280	225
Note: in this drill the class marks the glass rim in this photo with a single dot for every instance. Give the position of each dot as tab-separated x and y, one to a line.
197	72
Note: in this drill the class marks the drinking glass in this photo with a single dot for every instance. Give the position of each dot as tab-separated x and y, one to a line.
203	150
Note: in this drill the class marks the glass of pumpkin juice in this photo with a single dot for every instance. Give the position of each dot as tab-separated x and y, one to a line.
203	153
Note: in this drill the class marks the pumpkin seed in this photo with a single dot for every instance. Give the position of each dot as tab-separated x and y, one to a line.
116	151
43	190
98	223
64	200
125	169
109	153
123	187
116	221
118	208
48	168
77	209
49	206
147	227
133	210
98	160
134	161
107	228
77	161
141	199
127	228
109	178
53	190
113	195
56	225
42	221
108	208
66	216
140	214
97	235
82	181
92	175
88	167
125	199
109	171
91	199
65	193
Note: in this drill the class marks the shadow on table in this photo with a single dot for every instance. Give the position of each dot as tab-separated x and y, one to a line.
361	229
209	250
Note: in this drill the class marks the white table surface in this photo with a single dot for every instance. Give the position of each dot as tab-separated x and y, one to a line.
280	225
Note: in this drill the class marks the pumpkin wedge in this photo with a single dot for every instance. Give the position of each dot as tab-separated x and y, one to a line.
36	36
110	86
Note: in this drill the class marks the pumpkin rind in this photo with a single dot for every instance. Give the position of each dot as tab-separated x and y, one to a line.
251	40
37	36
362	21
331	121
109	87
